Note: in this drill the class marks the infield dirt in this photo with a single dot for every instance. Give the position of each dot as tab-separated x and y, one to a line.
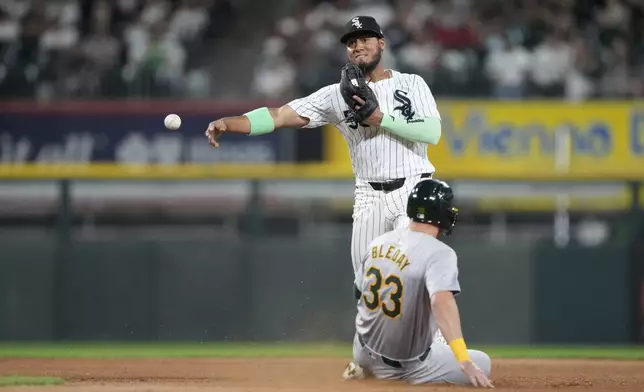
305	374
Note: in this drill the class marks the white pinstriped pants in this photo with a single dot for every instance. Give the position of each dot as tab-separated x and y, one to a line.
377	212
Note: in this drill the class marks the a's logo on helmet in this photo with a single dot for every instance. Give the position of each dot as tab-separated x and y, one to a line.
356	22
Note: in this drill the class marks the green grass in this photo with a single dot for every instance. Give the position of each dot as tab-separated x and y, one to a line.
12	381
171	350
246	350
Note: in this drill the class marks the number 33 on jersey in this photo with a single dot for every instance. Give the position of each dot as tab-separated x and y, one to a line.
385	294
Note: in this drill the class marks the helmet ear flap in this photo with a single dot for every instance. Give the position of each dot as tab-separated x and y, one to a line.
452	216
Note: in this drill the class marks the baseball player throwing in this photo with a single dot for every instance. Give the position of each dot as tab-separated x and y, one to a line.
387	118
408	279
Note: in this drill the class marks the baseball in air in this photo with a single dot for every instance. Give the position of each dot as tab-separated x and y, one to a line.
172	122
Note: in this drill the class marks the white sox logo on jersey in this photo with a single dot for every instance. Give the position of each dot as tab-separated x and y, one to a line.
404	108
405	104
356	22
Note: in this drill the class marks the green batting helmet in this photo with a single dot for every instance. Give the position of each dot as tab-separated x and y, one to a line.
431	202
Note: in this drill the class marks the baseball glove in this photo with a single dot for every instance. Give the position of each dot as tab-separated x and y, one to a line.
352	82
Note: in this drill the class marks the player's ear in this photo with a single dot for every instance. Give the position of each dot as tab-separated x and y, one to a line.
381	42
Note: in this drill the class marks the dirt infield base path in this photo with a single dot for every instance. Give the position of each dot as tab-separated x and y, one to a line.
304	374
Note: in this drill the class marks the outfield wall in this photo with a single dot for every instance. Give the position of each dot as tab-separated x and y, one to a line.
280	289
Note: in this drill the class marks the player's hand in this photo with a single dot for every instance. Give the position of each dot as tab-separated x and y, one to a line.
476	375
214	131
375	118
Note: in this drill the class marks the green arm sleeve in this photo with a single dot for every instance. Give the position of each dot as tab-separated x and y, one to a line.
425	130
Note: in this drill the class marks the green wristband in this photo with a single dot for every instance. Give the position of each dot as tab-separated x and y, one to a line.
261	121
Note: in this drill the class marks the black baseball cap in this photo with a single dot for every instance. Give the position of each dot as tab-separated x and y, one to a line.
361	24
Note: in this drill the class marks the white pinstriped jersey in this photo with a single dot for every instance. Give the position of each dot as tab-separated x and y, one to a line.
377	155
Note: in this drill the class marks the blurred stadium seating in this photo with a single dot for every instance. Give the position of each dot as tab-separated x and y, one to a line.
514	49
100	49
570	49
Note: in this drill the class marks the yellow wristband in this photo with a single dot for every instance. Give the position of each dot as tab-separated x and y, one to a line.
459	349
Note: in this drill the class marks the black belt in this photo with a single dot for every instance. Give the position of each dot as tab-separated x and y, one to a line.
393	362
392	185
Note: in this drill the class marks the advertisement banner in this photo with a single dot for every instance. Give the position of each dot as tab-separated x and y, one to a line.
120	134
532	140
481	140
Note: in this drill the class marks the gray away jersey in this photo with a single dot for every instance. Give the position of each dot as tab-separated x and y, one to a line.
376	154
399	273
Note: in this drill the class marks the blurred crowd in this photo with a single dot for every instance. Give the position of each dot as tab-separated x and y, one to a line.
106	48
507	49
